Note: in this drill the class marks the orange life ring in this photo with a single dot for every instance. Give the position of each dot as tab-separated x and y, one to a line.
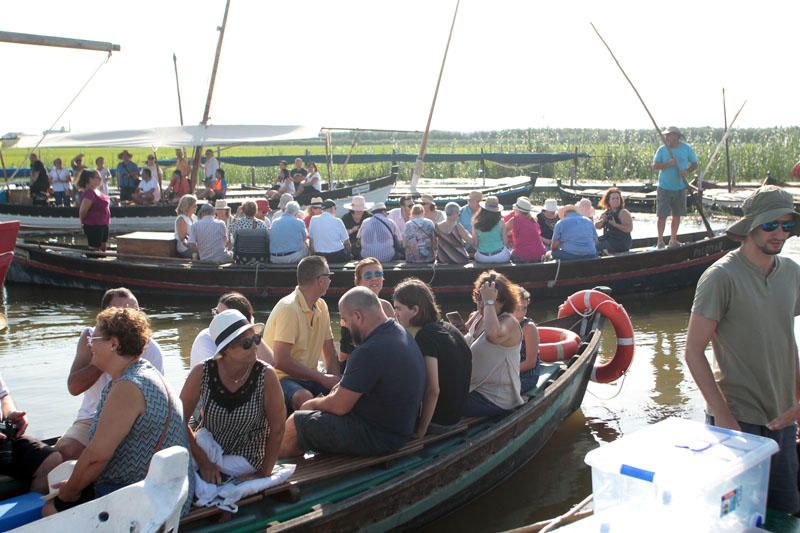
589	301
556	344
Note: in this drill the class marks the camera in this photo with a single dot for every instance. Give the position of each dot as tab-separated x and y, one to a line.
9	429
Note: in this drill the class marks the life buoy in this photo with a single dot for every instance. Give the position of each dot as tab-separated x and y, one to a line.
556	344
589	301
796	171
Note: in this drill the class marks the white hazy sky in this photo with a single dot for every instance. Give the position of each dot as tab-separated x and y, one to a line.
373	63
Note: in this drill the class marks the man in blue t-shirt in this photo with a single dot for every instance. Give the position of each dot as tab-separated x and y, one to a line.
374	409
672	172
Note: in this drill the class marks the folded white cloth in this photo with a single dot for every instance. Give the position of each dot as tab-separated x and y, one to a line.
225	496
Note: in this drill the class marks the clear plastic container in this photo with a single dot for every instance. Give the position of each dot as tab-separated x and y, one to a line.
681	475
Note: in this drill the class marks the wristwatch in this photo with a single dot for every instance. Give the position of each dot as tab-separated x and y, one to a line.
489	302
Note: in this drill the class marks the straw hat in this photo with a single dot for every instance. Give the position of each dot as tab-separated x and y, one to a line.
358	204
476	195
426	199
379	206
221	204
327	204
551	205
228	325
316	201
285	199
585	208
523	204
567	209
491	204
673	129
766	204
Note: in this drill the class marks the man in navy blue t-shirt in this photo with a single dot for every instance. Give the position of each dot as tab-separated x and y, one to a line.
374	409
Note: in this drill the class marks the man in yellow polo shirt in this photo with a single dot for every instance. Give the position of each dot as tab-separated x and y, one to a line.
299	330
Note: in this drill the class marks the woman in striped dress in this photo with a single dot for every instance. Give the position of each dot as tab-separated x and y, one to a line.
242	416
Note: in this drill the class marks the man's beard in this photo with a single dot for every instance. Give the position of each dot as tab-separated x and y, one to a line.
355	334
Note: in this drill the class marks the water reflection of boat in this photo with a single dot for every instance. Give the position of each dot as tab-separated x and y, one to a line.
644	270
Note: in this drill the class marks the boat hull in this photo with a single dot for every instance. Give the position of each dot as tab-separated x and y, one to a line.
641	272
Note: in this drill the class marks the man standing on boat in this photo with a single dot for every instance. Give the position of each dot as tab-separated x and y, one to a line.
211	167
745	306
672	172
299	330
127	176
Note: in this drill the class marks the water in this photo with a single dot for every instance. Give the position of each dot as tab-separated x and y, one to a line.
37	349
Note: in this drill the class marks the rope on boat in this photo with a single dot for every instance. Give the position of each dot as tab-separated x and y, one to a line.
590	312
557	521
619	390
552	282
433	276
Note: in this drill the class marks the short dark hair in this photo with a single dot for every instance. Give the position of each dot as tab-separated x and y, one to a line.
130	326
405	198
413	291
485	220
507	294
86	175
177	172
221	172
110	294
310	268
238	301
147	170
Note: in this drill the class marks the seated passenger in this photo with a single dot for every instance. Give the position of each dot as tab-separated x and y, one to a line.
529	352
246	219
183	223
204	347
356	214
283	201
178	187
217	188
447	357
283	182
525	234
310	185
431	213
137	415
616	223
209	237
147	192
377	235
327	236
452	238
419	238
574	236
314	209
22	457
288	236
299	333
242	416
374	409
495	338
488	233
547	220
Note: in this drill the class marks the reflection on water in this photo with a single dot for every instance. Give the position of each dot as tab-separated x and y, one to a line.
37	349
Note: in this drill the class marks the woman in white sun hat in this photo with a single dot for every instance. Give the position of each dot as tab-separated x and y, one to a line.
488	233
523	230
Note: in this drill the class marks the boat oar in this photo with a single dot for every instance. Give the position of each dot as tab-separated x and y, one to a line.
698	202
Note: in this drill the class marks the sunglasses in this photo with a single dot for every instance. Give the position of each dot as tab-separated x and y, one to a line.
786	226
328	275
248	342
93	338
369	275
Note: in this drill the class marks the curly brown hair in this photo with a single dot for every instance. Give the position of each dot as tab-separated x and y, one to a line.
413	291
507	295
130	326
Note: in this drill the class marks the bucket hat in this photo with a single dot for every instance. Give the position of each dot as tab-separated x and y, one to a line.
379	206
228	325
551	205
491	204
673	129
766	204
523	204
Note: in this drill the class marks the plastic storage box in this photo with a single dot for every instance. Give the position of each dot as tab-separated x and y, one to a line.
680	475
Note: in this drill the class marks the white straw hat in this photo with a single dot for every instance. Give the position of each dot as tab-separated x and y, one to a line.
227	326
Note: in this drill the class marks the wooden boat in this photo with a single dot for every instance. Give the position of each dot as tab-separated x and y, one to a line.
443	191
637	198
8	240
643	270
162	217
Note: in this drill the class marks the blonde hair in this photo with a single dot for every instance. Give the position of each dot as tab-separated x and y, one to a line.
187	201
417	210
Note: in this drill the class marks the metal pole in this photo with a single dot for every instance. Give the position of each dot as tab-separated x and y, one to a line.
178	86
59	42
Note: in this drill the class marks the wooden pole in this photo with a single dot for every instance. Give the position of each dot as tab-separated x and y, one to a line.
722	141
59	42
697	200
417	174
347	159
727	149
198	149
178	86
329	157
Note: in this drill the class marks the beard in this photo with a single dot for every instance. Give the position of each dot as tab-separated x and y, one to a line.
356	335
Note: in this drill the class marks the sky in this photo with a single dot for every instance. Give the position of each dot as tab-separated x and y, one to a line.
374	63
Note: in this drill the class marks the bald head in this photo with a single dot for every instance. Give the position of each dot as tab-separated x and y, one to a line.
359	299
361	312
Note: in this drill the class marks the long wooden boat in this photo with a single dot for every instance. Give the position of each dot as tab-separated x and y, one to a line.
643	270
506	189
162	217
641	199
8	241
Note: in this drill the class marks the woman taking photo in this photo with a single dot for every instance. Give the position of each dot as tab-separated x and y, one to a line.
488	233
448	360
94	211
616	223
137	415
183	223
242	416
495	338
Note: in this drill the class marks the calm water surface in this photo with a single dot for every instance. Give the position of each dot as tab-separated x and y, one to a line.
37	349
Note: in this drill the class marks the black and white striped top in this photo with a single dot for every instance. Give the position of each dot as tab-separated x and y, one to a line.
235	419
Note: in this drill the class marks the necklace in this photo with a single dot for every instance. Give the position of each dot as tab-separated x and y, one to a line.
237	381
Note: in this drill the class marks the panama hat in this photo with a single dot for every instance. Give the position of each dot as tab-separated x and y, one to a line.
491	204
551	205
228	325
358	204
426	199
523	204
764	205
316	201
221	204
379	206
327	204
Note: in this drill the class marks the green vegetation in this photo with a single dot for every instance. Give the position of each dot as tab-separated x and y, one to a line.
617	155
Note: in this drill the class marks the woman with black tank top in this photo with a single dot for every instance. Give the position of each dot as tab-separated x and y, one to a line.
616	223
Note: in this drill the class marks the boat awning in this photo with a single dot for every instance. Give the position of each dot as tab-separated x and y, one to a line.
172	137
520	159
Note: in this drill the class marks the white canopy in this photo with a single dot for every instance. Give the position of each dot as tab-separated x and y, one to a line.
172	137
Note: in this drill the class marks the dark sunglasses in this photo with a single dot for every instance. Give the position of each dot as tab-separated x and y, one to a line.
248	342
786	226
369	275
326	275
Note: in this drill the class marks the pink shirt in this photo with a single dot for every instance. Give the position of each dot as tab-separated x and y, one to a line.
527	234
99	213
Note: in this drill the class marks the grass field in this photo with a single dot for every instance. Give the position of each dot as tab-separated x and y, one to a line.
616	155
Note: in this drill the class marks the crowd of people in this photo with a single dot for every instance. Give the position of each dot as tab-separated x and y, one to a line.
400	372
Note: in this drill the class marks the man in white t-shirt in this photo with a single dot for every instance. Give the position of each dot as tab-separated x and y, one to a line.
61	182
401	215
86	378
328	236
210	168
148	192
105	174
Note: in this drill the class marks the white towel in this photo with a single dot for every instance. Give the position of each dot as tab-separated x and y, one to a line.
225	496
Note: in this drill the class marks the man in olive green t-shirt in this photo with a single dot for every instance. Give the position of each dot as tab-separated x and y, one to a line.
745	306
